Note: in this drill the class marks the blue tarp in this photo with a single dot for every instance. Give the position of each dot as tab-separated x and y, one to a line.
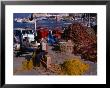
51	39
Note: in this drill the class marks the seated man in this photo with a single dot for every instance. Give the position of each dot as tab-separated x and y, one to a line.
26	46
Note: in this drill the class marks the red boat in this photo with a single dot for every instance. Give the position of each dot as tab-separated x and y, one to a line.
43	32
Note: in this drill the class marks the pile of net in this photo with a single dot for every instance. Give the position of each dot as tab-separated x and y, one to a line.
56	68
85	41
74	67
25	66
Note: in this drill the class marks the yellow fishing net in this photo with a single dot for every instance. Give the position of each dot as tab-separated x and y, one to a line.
74	66
27	65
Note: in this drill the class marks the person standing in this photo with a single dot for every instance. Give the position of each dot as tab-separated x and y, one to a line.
44	45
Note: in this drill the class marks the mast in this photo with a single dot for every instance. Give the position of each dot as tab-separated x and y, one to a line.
89	20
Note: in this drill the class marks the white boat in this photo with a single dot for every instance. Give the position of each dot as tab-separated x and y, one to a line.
19	20
25	33
31	21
